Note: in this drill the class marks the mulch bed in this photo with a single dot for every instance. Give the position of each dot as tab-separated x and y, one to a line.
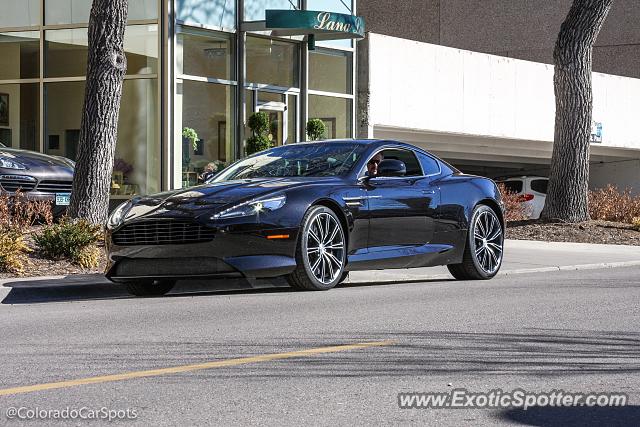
40	266
603	232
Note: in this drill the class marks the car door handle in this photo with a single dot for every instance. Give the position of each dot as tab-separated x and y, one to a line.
429	192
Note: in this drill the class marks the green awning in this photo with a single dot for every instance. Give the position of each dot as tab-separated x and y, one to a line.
322	25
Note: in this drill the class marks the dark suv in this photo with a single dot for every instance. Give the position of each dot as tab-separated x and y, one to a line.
38	176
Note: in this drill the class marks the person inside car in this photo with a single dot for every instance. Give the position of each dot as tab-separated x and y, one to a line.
372	165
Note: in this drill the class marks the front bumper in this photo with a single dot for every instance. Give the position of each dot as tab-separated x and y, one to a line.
230	254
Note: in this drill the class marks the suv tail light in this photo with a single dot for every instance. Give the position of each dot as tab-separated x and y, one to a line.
525	198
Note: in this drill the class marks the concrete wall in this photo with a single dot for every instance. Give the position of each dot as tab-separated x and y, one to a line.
523	29
448	90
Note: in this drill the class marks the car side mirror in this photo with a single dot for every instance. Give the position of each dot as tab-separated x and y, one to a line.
392	167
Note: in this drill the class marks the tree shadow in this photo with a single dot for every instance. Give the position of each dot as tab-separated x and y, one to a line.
579	416
543	353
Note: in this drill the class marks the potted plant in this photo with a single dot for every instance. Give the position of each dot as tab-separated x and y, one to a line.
259	140
190	134
316	129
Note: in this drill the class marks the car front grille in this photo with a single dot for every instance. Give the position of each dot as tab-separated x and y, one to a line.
55	186
13	183
162	232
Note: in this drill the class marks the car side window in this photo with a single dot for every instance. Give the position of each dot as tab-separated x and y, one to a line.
430	165
513	186
540	185
408	158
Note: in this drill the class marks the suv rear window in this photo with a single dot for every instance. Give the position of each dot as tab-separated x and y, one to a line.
540	185
513	186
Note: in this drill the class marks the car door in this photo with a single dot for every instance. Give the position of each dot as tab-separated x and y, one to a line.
400	208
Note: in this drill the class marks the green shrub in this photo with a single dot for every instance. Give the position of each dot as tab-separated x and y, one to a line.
259	140
13	251
316	129
73	240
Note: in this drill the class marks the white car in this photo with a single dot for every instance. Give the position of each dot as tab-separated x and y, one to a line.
532	191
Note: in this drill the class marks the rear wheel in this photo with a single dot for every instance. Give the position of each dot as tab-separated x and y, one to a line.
150	288
484	247
321	251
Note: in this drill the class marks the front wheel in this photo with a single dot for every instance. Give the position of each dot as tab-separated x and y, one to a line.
150	288
484	248
321	253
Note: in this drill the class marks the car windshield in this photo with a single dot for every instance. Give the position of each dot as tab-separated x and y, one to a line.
299	160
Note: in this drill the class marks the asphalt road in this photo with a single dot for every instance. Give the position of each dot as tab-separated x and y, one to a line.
576	331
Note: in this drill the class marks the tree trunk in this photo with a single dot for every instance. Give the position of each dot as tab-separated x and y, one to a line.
569	178
106	68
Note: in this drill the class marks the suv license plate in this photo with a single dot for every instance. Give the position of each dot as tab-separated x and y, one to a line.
63	199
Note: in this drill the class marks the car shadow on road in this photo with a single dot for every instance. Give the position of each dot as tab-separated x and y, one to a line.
97	287
579	416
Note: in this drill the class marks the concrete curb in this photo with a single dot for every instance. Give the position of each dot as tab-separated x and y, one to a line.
597	266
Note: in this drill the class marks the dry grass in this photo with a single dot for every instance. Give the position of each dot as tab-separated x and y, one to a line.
514	209
609	204
18	213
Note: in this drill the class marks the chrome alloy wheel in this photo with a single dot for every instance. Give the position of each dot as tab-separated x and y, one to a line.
489	241
325	248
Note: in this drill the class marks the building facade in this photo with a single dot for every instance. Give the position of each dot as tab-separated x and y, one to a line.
201	65
520	29
460	88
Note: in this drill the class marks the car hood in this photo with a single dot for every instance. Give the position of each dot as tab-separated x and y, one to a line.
31	159
211	198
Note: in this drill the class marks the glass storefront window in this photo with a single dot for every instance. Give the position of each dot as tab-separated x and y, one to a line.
212	13
339	6
19	115
336	113
77	11
330	71
208	109
66	51
207	56
272	62
137	157
19	55
141	48
19	13
254	10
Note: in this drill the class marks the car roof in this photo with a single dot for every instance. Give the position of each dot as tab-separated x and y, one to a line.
367	142
514	178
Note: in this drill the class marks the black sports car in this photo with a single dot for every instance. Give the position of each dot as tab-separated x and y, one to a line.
311	212
38	176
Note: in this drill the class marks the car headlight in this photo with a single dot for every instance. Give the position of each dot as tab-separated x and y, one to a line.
253	207
117	216
8	163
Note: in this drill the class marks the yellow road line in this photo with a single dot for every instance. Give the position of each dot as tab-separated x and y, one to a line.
190	368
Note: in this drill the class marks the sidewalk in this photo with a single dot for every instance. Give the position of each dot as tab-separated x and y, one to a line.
521	256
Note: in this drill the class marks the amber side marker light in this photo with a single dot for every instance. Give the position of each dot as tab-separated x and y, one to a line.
278	236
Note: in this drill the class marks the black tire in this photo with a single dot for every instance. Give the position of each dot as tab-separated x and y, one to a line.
329	261
482	258
153	288
344	277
